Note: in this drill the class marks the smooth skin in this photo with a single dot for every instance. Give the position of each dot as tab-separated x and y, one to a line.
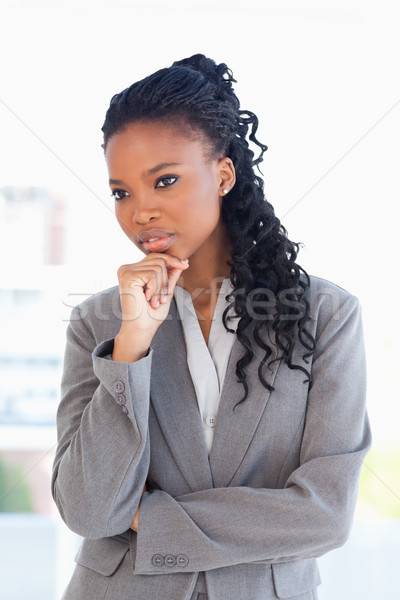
184	199
164	179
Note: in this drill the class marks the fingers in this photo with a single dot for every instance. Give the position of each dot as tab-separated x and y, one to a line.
173	276
160	288
156	276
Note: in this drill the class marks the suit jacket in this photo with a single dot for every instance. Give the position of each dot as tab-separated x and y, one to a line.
278	489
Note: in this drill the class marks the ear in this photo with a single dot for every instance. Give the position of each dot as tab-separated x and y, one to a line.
226	175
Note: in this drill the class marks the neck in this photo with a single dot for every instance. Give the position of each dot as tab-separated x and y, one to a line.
204	282
203	279
207	269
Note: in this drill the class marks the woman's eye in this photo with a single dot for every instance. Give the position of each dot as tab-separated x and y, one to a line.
166	181
119	194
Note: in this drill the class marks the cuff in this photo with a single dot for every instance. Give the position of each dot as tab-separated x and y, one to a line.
127	383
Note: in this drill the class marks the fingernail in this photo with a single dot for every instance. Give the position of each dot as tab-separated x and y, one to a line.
185	262
163	299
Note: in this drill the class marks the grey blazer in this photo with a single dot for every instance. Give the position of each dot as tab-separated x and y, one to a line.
278	489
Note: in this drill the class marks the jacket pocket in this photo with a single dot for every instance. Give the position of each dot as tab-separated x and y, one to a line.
295	578
103	555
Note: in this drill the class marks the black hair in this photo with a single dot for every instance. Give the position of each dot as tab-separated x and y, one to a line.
268	285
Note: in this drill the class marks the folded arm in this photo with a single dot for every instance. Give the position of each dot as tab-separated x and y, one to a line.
313	511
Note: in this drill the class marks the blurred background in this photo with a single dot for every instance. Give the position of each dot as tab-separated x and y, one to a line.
321	76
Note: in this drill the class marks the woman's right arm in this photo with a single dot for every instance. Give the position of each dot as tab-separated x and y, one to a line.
102	456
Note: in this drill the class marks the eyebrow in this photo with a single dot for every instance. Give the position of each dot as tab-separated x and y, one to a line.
147	173
159	167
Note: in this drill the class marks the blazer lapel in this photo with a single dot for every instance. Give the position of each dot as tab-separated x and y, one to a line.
236	426
174	401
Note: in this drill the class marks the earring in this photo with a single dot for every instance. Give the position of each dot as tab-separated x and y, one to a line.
225	191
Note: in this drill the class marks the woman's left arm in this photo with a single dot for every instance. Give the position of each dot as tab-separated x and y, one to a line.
313	512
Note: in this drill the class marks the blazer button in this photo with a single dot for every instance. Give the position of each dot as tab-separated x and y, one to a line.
157	560
124	410
119	387
170	560
211	421
182	560
120	398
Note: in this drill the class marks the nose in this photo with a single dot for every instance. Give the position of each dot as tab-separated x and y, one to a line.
144	211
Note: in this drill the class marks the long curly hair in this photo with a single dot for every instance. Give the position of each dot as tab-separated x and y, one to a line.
268	285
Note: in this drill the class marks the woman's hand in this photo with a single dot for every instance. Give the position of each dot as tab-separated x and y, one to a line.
135	522
146	290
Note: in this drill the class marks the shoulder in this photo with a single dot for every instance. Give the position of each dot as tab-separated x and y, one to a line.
321	290
99	315
106	299
330	302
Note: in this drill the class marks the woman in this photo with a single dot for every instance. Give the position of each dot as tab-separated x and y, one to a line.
212	426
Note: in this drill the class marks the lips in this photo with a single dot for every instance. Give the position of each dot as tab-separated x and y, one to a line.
156	240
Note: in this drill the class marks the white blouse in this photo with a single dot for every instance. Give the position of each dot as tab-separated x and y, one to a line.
207	363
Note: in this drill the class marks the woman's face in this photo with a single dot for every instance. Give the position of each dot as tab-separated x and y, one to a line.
168	193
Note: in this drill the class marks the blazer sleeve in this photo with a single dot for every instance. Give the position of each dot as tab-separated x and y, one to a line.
102	456
313	512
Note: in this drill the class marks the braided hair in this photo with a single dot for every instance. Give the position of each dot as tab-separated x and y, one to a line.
268	285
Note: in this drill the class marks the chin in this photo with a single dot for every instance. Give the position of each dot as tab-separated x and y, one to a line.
179	255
